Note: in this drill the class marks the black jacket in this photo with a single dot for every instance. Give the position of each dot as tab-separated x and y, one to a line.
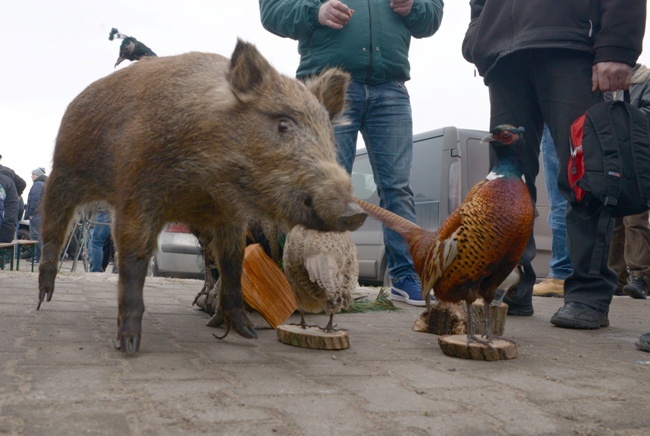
8	227
19	182
612	30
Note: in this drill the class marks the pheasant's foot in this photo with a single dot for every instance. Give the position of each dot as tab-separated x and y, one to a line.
491	337
471	337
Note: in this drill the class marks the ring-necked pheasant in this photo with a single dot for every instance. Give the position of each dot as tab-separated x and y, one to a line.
482	241
130	49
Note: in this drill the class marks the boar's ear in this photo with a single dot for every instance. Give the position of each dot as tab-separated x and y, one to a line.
329	88
248	70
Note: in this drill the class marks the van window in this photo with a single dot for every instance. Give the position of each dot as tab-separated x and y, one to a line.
425	180
477	168
363	182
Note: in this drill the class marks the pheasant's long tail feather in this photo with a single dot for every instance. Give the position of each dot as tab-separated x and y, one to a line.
401	225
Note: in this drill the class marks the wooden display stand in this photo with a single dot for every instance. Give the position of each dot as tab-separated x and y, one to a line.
451	319
456	346
313	337
265	287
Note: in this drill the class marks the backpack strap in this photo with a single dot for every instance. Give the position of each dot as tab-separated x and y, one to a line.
640	140
612	181
599	246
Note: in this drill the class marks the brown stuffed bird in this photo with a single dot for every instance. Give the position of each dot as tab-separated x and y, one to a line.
482	241
322	269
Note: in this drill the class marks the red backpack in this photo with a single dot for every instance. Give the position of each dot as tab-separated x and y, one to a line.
609	167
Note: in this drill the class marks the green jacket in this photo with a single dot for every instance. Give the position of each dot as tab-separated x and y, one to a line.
373	47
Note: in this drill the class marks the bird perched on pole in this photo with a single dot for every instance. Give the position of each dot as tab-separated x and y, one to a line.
130	49
322	269
482	241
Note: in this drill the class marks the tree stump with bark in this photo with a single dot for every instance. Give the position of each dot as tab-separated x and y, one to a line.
313	337
456	346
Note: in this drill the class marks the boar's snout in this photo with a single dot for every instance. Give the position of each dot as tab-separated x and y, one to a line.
352	218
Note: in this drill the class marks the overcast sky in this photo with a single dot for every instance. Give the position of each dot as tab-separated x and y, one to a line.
52	50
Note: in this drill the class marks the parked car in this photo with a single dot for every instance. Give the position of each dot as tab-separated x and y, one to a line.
447	162
178	254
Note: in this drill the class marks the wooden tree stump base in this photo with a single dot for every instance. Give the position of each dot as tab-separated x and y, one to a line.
456	346
313	337
451	319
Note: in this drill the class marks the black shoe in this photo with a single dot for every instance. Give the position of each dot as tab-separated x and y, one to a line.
619	292
578	316
643	343
515	309
637	288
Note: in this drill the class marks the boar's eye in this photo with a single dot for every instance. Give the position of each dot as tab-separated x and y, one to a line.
283	126
308	201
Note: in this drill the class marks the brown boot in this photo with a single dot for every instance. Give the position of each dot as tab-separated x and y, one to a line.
550	287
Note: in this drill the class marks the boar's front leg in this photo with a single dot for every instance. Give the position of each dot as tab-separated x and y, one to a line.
132	273
134	240
229	244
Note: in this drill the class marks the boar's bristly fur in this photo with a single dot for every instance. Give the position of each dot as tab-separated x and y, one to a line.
203	140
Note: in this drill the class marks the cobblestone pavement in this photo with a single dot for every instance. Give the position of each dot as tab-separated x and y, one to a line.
60	375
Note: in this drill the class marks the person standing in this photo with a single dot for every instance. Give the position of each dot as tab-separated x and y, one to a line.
33	211
11	203
560	264
14	206
369	39
549	65
100	236
629	252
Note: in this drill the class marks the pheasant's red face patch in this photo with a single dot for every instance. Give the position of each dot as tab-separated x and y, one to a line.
506	137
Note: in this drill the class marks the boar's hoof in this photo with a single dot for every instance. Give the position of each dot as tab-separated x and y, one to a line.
41	297
239	322
352	219
129	345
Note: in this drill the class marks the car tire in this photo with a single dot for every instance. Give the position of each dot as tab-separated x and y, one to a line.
387	282
152	270
25	250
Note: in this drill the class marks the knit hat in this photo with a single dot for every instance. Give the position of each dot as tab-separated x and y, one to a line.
38	172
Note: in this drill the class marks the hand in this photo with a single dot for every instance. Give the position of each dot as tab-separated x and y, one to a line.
610	76
401	7
334	14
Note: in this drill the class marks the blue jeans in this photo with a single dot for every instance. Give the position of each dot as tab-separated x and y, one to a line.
382	113
560	263
100	234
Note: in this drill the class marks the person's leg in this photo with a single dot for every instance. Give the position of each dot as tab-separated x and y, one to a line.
100	233
560	263
637	254
388	133
564	80
346	135
513	100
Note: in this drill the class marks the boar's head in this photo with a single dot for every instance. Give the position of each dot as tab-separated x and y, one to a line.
290	162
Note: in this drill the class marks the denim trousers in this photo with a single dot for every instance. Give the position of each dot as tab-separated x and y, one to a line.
560	264
382	113
553	86
100	234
